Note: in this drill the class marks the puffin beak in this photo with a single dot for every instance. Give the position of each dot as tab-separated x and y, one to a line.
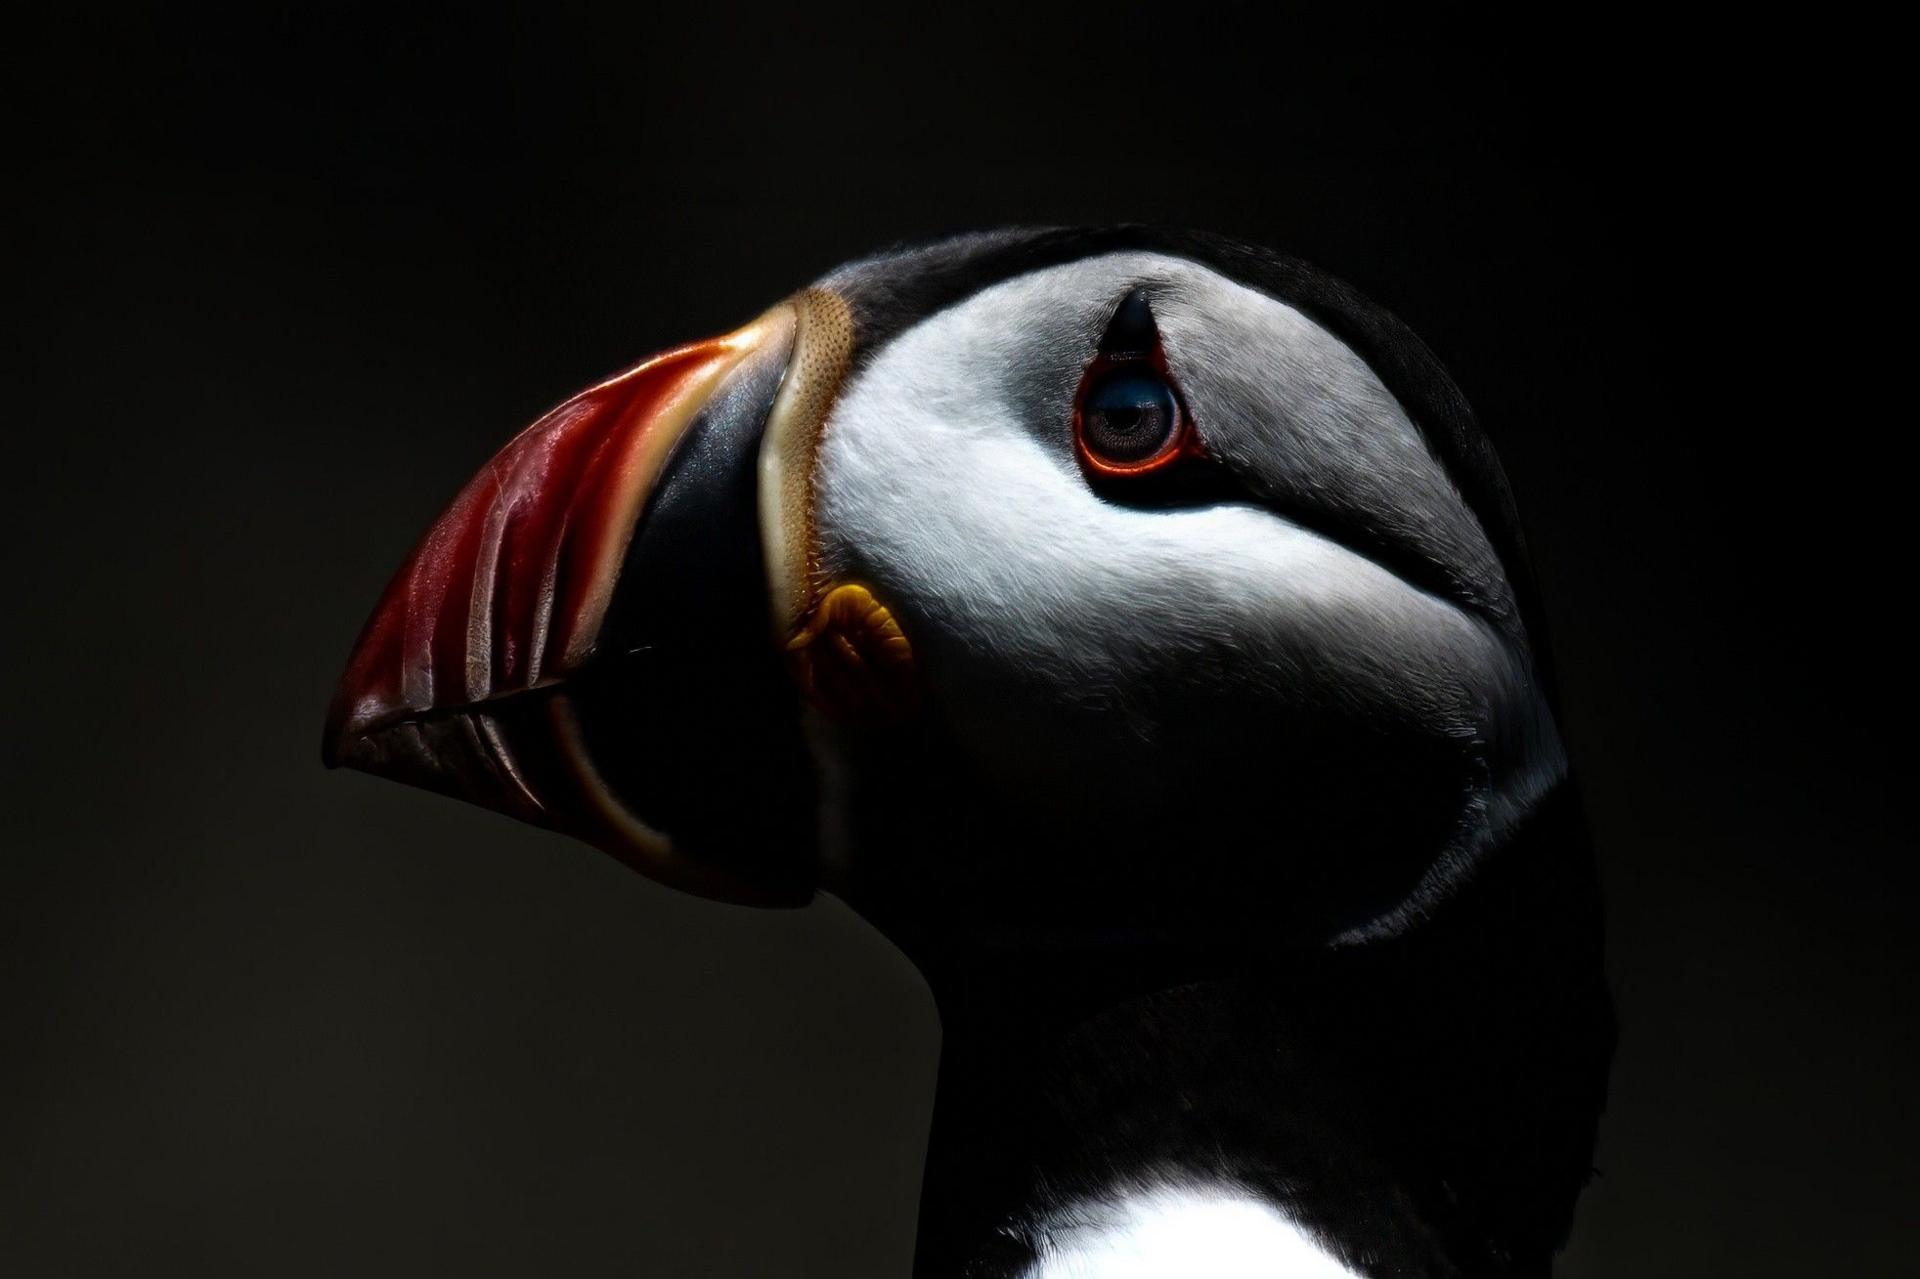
582	639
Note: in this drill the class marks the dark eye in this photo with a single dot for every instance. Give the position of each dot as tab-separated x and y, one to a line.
1128	417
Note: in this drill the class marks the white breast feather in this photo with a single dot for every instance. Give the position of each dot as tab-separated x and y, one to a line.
1181	1234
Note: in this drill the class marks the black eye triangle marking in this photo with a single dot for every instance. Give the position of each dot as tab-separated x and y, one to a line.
1131	334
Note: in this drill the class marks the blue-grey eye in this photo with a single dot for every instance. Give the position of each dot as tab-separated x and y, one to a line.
1128	416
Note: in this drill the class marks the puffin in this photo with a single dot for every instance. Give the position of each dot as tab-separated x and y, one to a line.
1135	627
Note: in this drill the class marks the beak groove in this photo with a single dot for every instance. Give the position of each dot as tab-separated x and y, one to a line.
469	677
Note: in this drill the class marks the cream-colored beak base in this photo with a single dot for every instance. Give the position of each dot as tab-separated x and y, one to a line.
790	451
847	651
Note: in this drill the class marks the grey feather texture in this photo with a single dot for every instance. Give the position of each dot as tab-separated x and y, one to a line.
1082	647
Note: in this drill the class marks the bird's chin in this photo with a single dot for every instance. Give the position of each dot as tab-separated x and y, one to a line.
1232	843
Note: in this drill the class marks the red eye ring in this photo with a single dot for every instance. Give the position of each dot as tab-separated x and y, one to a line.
1182	440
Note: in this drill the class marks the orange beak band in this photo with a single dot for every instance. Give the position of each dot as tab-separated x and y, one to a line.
466	677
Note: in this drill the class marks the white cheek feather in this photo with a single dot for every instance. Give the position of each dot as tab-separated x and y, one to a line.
948	475
1180	1234
947	481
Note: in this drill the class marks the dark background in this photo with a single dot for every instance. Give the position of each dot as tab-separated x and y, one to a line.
283	282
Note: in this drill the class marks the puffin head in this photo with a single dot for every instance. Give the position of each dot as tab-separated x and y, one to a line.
1041	586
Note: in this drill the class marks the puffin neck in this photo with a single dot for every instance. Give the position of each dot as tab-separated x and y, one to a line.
1438	1091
